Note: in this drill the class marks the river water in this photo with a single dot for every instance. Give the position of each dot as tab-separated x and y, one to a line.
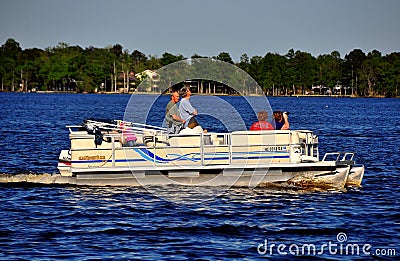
48	222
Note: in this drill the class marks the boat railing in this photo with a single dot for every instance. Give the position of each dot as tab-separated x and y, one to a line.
258	144
346	158
71	128
125	125
230	143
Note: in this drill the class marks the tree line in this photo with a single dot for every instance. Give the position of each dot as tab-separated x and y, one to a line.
72	68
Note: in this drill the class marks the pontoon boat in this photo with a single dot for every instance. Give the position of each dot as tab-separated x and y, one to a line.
98	156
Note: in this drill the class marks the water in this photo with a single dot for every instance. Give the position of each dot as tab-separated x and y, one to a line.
47	222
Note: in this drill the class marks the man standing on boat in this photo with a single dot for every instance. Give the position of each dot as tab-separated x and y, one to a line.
186	109
174	121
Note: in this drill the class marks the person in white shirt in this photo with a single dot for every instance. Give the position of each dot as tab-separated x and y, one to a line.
186	109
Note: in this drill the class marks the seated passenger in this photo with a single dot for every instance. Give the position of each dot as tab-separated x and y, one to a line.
262	123
128	137
195	130
174	121
281	120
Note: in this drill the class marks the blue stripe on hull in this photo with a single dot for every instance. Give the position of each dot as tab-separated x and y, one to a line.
194	157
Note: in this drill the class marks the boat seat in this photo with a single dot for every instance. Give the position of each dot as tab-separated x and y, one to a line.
187	137
196	130
185	141
152	140
263	137
307	137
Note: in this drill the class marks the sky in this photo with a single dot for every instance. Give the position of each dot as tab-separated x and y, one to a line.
205	27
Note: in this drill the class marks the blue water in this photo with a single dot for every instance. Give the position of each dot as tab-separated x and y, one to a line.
47	222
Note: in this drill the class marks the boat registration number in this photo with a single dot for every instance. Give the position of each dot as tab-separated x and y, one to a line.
275	148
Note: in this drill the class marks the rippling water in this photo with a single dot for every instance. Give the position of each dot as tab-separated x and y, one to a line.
47	222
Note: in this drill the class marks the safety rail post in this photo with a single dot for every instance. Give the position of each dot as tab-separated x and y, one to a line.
113	150
229	141
202	148
154	147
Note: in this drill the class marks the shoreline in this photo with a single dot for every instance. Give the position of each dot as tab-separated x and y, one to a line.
206	94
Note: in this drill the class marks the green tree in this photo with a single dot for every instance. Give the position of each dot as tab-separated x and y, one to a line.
225	57
244	62
194	56
302	71
274	68
255	69
117	50
369	73
10	58
61	66
30	69
353	69
390	74
139	61
153	63
97	68
329	72
168	58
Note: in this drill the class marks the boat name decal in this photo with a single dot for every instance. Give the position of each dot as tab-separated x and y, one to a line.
97	157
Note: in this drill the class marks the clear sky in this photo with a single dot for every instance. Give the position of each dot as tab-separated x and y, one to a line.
206	27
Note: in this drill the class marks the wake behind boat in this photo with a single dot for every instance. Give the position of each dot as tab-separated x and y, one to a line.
99	155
